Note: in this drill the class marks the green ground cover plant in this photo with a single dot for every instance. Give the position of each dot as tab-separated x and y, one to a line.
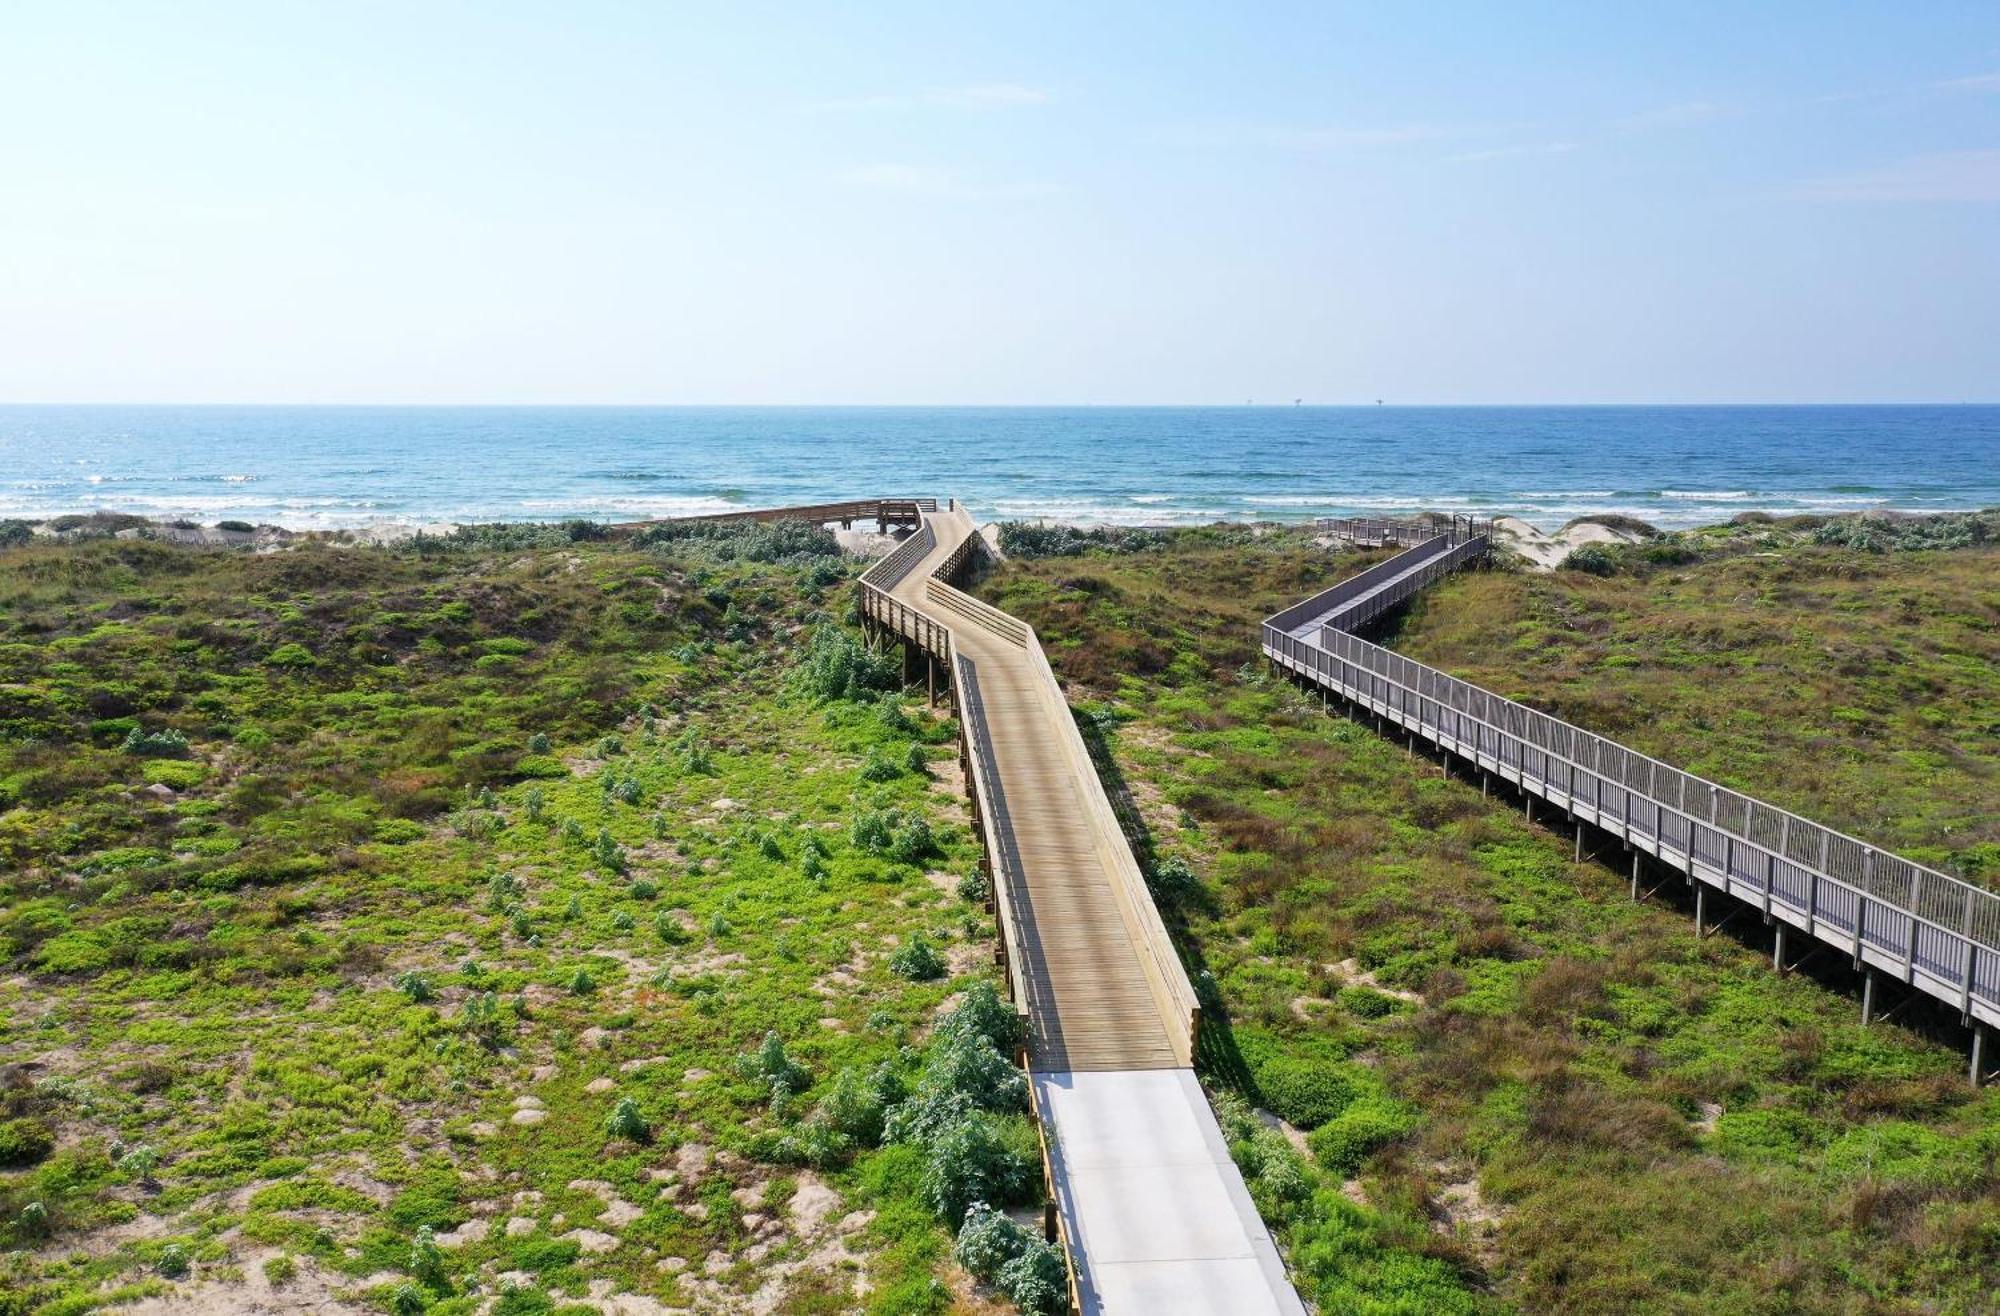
404	959
1461	1071
1848	670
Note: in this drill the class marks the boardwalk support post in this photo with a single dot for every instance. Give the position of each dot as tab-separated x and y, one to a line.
1867	997
1978	1054
1700	910
1635	875
1778	950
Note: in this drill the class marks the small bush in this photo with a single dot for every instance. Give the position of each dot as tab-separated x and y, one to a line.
1037	1280
1345	1142
626	1121
290	655
973	1160
988	1240
872	830
966	1062
167	744
769	1065
983	1013
913	842
837	666
427	1259
1590	559
1308	1093
1367	1003
1173	883
25	1141
917	960
879	767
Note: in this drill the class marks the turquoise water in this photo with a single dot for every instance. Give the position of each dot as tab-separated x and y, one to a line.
318	467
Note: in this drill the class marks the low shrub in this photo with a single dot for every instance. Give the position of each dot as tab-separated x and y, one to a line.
913	841
978	1159
770	1066
1000	1252
628	1122
983	1013
1345	1142
917	960
838	666
1591	560
964	1061
155	744
25	1141
1307	1093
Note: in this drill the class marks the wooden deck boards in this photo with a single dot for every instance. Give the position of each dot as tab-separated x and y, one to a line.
1091	1005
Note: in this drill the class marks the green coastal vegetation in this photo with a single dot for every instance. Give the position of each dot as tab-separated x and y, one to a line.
518	919
1517	1088
494	922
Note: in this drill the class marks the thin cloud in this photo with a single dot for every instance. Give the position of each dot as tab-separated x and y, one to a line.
1674	116
1329	138
992	95
922	180
1941	176
1977	83
1510	152
972	96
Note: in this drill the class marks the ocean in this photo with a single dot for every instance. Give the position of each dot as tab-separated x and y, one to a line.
327	467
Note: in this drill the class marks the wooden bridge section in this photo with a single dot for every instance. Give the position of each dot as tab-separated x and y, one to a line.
1091	962
887	513
1148	1205
1938	935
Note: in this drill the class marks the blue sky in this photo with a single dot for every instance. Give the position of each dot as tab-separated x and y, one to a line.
922	203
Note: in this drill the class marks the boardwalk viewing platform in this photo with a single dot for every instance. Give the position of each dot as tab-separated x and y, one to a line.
1932	932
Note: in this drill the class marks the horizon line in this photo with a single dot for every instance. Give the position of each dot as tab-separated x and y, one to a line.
1009	406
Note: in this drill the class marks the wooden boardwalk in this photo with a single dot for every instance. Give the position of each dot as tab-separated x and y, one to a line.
1098	978
1149	1208
1934	933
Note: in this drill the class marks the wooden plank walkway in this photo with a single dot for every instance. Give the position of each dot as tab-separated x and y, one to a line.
1149	1208
1935	933
1095	998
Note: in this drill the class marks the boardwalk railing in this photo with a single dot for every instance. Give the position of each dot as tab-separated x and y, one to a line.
1406	532
887	511
1937	933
